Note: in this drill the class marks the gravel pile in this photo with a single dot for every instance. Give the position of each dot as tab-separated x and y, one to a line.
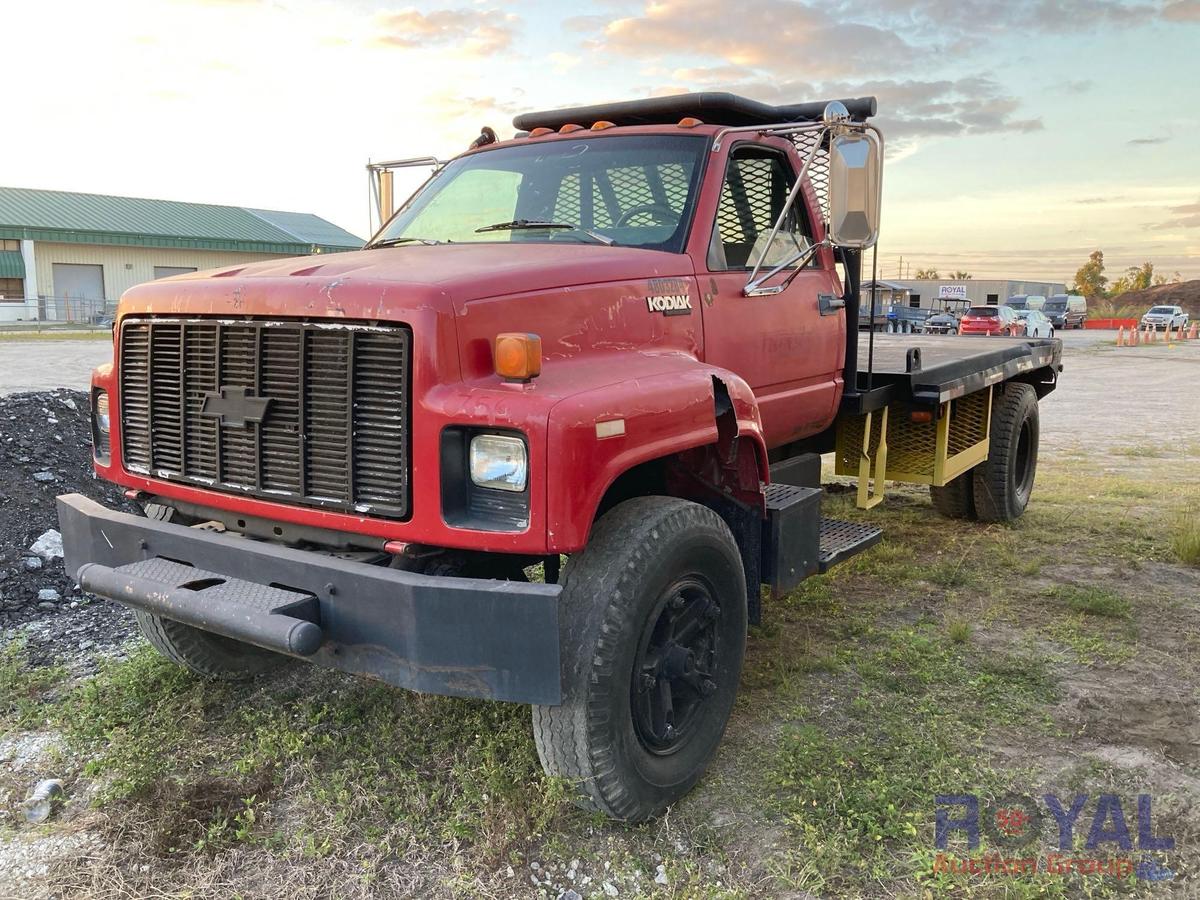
45	450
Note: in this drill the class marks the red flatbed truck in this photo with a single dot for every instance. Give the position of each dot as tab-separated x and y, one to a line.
619	338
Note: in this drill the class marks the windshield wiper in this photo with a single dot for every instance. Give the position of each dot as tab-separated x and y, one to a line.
523	224
392	242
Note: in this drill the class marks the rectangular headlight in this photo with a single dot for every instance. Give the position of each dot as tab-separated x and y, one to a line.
499	461
101	412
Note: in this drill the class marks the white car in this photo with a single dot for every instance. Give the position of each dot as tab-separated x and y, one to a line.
1036	323
1164	317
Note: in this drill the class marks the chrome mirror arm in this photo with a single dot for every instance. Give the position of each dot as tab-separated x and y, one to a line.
787	208
754	287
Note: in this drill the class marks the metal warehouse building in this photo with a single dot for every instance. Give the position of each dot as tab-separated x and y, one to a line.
978	292
69	257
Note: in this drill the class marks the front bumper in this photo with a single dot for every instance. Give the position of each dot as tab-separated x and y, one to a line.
462	637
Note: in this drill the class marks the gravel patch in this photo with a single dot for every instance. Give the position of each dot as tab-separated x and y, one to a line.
45	450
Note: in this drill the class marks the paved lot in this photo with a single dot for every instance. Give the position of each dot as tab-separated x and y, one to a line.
1122	398
39	365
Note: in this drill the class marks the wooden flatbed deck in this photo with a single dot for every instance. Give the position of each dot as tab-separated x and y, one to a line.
949	366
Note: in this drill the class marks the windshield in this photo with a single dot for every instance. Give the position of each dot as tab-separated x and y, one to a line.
1055	305
636	191
989	312
1163	310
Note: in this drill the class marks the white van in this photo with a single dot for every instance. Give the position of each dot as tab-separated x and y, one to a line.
1025	301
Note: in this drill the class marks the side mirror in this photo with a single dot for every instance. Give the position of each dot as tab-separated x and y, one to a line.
855	188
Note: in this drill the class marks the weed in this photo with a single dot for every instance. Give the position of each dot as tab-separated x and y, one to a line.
958	630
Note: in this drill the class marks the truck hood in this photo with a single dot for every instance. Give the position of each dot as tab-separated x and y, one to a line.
376	283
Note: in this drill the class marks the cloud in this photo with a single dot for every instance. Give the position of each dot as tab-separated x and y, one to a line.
563	62
477	32
1182	11
862	35
968	18
782	35
1186	216
1147	141
713	75
768	51
914	108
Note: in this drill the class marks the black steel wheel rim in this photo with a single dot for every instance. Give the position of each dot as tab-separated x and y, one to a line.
674	672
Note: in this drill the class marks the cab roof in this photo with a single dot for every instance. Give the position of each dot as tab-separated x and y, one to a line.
711	107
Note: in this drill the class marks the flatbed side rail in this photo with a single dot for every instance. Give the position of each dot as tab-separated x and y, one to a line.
890	445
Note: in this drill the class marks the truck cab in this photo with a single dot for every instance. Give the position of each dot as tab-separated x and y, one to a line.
617	340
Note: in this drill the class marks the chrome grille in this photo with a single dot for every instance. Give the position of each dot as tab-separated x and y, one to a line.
335	428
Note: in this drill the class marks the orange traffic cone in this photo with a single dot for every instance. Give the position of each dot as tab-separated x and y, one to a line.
1121	336
1192	332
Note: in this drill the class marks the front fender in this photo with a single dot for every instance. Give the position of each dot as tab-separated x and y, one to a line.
596	435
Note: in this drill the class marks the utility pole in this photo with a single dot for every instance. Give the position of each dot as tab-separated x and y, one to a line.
900	270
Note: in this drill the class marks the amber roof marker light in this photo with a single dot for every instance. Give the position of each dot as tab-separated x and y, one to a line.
518	356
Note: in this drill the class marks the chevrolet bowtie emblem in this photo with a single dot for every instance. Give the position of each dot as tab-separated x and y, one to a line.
234	406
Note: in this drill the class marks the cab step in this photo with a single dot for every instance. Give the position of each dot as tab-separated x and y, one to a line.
842	540
798	541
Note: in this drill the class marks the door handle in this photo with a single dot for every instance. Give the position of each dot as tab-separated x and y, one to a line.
830	303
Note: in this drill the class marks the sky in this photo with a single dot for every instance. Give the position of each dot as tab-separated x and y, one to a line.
1021	135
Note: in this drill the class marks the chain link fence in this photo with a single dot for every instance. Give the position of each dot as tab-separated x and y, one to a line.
57	313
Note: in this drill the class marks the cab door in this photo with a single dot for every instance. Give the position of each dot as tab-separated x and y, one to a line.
789	346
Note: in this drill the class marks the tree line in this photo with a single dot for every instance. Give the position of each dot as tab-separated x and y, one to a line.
932	275
1091	281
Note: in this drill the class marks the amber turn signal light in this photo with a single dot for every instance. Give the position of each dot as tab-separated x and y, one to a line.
518	356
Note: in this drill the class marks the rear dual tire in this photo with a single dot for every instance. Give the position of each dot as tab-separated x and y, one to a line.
999	489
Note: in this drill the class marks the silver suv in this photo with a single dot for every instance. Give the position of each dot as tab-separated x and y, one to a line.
1160	318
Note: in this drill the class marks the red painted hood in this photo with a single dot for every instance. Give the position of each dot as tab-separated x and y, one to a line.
457	272
456	297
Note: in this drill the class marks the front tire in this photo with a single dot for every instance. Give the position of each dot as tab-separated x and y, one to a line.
211	655
653	630
1004	483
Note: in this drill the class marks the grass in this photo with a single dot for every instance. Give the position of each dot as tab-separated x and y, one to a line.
857	798
207	763
1185	539
24	691
932	664
102	334
1093	600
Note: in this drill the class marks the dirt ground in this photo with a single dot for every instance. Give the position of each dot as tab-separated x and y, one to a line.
1061	655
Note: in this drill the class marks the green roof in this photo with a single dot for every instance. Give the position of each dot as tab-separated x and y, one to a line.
12	265
103	219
